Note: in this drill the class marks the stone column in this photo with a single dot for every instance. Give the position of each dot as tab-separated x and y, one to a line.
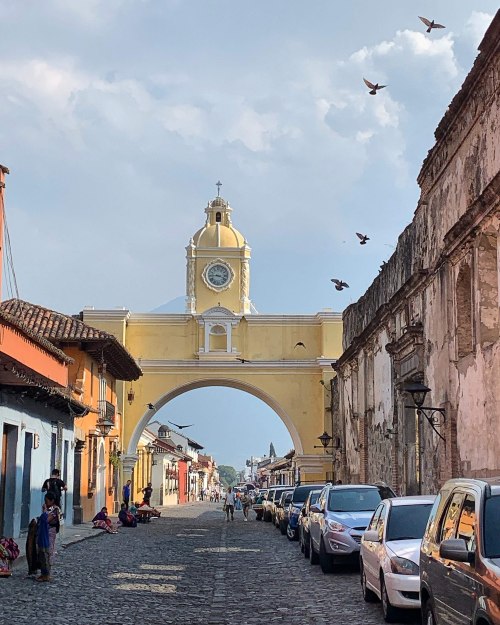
128	463
313	467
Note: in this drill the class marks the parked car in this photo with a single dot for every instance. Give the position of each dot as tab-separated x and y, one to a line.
338	521
300	495
270	502
282	508
258	503
460	555
390	554
303	526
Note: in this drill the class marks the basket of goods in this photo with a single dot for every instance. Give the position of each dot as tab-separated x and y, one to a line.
9	551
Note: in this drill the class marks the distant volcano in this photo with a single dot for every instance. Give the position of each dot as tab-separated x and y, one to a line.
177	305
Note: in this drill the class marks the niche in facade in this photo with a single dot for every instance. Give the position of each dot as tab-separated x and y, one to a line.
487	277
218	339
464	311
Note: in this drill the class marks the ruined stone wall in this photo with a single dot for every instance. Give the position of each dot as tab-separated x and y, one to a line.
433	312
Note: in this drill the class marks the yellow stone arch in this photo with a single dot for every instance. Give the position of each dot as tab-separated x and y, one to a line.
221	340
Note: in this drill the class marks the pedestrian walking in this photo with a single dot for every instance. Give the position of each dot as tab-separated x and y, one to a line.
147	492
229	504
126	493
55	485
246	502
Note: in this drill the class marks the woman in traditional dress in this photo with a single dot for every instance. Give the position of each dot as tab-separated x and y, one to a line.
126	518
103	522
54	520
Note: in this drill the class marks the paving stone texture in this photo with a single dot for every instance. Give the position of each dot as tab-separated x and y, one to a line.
190	567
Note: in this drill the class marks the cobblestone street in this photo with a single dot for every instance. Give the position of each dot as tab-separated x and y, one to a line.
192	567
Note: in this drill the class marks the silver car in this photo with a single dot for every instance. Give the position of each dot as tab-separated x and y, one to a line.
338	521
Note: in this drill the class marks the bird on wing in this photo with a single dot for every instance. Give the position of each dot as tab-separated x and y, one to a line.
363	238
242	360
150	406
373	87
340	285
430	24
181	427
299	344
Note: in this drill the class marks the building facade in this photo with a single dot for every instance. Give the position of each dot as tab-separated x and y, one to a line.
432	315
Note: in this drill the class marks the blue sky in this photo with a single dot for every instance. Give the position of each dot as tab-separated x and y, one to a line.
118	117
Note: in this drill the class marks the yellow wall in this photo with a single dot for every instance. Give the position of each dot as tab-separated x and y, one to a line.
286	377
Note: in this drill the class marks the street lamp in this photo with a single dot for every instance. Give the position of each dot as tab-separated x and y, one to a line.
105	426
325	439
418	392
150	449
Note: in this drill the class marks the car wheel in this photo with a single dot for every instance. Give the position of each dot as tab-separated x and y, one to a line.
368	595
389	611
291	534
283	527
325	559
301	542
428	617
313	556
305	542
267	517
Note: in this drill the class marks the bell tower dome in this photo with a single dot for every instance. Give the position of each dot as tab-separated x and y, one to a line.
218	267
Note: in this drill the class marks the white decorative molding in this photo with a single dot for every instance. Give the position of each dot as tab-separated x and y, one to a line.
231	363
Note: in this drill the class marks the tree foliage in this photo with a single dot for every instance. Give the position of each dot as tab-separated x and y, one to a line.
228	475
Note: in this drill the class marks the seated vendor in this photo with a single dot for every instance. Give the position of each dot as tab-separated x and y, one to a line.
126	518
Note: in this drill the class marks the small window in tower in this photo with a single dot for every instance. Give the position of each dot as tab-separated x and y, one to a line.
218	217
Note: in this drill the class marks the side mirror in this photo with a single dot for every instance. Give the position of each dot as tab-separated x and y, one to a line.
315	508
371	536
455	549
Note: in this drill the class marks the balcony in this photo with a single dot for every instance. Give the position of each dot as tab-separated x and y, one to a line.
107	410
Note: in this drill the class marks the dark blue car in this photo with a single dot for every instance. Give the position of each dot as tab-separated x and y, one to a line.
299	497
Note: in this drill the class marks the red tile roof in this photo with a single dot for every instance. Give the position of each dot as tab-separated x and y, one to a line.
62	330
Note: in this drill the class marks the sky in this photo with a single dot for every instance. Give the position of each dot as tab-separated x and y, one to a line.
117	118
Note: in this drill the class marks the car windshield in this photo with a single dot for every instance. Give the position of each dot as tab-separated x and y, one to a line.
407	522
301	492
278	494
353	500
492	527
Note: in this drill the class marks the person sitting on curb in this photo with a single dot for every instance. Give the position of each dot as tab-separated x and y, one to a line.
126	518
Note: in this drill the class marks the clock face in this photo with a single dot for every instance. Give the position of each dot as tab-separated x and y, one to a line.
218	275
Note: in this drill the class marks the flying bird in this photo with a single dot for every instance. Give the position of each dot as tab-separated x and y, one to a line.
362	238
299	344
340	285
181	427
150	406
430	25
242	360
373	87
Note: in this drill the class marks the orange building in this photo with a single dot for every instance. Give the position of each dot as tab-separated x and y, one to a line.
98	360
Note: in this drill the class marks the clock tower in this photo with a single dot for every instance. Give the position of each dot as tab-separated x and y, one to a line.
218	267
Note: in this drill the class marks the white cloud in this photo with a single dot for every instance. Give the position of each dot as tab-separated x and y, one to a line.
476	26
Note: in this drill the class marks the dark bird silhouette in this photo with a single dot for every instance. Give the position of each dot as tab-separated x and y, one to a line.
181	427
150	406
242	360
373	87
299	344
340	285
362	238
430	24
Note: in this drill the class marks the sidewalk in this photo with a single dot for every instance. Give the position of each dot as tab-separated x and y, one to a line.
68	535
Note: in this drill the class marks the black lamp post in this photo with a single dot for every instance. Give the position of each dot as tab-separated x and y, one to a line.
325	439
436	417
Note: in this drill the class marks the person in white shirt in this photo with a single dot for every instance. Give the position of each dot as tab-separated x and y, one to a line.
229	503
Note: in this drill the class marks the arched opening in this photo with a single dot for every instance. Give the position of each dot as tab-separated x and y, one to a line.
100	499
218	217
218	339
464	311
228	383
